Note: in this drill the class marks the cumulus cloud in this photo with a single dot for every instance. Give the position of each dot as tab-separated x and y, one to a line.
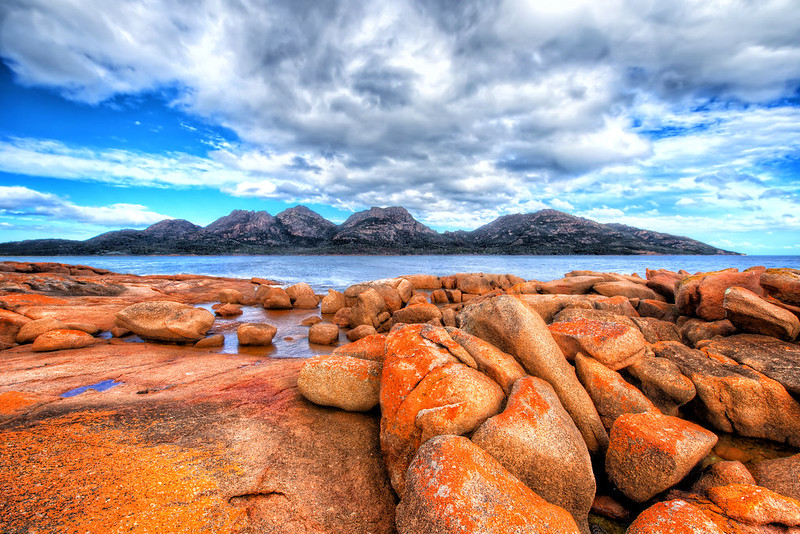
22	201
475	107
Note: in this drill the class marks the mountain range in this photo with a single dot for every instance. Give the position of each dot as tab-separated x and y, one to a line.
393	230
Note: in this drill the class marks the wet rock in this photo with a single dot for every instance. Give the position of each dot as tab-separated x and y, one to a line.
311	320
627	290
371	347
751	313
655	330
611	394
211	342
166	321
228	310
360	332
614	344
417	313
62	340
735	398
323	334
369	304
721	474
332	302
768	355
696	330
676	516
755	505
274	298
781	475
33	329
702	294
649	453
341	381
661	381
258	334
302	296
535	439
496	364
450	483
426	391
230	296
508	324
782	284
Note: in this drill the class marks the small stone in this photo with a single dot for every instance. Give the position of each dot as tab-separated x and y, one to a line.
213	341
311	320
323	334
228	310
258	334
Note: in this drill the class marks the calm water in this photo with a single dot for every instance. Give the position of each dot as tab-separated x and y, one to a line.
338	272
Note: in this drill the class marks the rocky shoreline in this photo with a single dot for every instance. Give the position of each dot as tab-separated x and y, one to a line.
466	403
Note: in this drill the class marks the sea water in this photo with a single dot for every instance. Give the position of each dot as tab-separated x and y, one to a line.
338	272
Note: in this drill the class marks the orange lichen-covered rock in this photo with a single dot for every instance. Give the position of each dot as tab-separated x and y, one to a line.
62	339
166	321
536	440
425	391
649	453
754	504
735	398
508	324
611	394
454	486
673	517
783	284
372	347
341	381
751	313
613	344
498	365
702	294
721	474
12	301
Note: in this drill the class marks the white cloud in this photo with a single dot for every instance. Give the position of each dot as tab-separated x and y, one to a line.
19	200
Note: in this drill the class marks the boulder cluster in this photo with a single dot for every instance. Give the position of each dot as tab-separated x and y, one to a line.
522	406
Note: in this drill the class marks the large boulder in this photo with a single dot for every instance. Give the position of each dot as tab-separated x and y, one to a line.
535	439
616	343
570	285
751	313
735	398
368	306
661	381
626	289
418	313
257	334
427	391
783	284
755	505
371	347
498	365
166	321
456	487
768	355
323	334
423	281
61	340
30	330
509	325
344	382
274	298
649	453
655	330
675	516
781	475
611	394
702	294
664	282
694	331
332	302
302	296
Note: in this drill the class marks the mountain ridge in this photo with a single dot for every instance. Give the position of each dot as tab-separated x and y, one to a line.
392	230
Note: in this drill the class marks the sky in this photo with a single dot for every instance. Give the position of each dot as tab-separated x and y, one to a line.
680	116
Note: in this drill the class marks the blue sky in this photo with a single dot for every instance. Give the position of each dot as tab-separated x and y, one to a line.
681	117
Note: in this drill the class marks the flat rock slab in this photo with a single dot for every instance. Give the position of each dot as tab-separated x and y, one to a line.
185	441
779	360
